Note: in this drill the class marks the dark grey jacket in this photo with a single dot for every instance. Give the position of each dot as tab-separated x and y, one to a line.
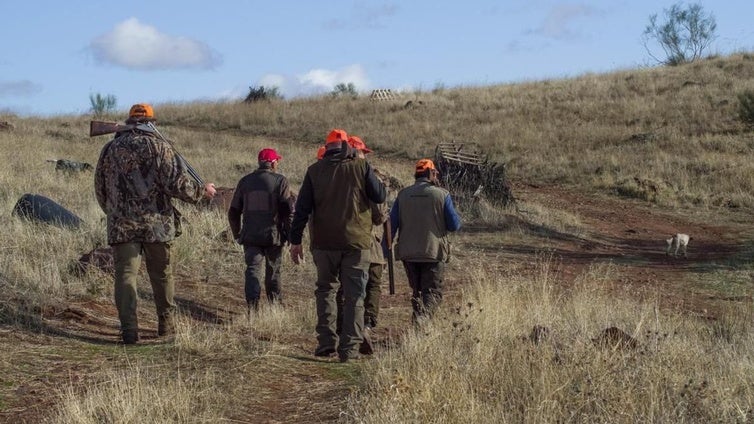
265	201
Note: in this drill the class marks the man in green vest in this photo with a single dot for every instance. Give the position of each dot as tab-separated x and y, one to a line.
335	194
422	216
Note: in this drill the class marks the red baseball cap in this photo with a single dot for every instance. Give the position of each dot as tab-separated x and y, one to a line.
358	144
268	155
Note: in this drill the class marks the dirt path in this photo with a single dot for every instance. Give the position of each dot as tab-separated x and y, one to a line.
77	340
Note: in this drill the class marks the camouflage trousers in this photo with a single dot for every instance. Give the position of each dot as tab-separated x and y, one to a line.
348	269
127	259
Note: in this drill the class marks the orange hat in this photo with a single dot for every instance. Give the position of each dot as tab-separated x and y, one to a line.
423	165
321	152
141	110
268	155
358	144
337	135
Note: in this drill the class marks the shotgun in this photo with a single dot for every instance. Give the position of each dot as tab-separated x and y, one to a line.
389	242
101	128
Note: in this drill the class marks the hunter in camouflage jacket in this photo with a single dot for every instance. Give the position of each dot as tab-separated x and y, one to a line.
136	177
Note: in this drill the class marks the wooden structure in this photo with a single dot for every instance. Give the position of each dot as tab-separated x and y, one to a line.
382	94
466	171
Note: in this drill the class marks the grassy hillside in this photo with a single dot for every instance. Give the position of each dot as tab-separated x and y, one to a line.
665	143
675	129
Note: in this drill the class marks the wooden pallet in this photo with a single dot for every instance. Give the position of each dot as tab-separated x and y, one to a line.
383	94
462	153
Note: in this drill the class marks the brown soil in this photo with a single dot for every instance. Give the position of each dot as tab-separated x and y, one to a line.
76	341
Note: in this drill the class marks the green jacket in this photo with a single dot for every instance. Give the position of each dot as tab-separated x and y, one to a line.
336	195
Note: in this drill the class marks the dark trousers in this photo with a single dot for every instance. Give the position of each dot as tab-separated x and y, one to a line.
371	299
127	259
425	280
347	269
262	261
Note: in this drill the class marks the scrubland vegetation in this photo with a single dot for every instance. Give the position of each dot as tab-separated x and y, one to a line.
674	138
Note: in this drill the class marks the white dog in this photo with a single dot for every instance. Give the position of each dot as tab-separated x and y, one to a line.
676	242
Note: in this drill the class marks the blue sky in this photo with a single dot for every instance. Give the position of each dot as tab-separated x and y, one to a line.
57	53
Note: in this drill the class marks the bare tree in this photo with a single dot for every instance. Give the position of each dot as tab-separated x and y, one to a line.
683	36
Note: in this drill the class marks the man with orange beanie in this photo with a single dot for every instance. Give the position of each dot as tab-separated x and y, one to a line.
137	176
377	261
422	216
335	194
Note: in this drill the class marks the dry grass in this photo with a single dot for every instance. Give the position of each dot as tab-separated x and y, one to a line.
143	394
476	363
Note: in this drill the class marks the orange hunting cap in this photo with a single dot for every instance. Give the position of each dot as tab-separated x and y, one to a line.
141	110
336	136
358	144
424	164
321	152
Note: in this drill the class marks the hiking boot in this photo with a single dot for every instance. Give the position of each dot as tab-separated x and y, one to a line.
165	326
353	356
324	352
366	348
370	321
130	336
253	305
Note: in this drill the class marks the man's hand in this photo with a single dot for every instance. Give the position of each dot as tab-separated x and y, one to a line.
209	190
297	254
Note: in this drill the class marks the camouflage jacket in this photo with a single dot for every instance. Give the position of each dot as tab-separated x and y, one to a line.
136	177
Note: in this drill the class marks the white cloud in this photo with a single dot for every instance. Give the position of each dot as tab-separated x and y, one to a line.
317	81
23	88
559	20
134	45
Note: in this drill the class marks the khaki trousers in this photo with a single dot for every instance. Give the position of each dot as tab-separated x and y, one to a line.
127	258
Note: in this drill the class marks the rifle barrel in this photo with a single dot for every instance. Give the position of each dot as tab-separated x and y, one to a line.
192	172
390	266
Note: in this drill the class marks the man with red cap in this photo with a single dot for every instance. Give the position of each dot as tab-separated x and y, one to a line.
423	215
335	194
264	199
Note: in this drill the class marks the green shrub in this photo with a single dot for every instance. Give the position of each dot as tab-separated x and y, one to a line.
102	104
262	93
345	90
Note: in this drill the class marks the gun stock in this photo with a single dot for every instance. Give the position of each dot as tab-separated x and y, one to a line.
390	266
102	127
